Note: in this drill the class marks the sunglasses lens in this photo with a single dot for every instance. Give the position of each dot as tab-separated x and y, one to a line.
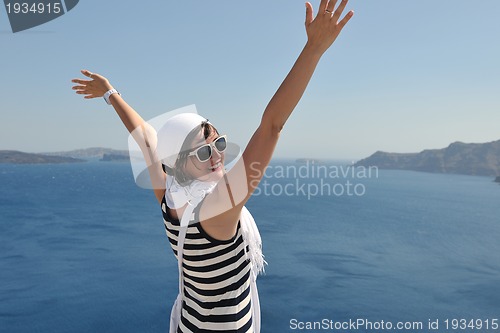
204	153
221	144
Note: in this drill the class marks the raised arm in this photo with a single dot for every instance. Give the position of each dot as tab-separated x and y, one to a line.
143	133
322	31
221	210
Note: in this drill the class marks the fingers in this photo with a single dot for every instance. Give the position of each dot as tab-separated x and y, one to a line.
83	92
84	87
322	6
87	73
346	19
81	81
331	6
339	10
309	13
88	94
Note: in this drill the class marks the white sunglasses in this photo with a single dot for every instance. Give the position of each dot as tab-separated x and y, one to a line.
203	153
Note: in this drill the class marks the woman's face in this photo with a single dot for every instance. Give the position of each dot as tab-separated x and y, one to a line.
211	170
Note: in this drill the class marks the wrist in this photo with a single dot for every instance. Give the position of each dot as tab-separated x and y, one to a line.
108	86
314	51
108	94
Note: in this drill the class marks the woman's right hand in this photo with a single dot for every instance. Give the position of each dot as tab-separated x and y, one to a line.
323	30
95	87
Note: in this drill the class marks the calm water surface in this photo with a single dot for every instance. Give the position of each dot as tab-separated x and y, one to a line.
83	249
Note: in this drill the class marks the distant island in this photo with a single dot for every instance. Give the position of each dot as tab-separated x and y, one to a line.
308	160
73	156
114	157
94	153
18	157
480	159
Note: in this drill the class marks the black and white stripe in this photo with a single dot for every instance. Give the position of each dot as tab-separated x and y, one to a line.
217	295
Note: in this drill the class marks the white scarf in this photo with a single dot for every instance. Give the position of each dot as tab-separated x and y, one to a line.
177	196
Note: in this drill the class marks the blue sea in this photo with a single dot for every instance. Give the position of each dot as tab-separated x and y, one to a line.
83	249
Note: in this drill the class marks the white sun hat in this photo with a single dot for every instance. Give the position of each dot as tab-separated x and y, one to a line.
164	148
172	135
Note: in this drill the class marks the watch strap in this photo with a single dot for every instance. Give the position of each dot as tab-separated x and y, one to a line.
108	94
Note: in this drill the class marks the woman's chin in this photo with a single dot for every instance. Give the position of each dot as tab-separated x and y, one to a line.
213	175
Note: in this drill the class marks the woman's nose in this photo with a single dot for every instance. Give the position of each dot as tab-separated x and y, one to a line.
216	155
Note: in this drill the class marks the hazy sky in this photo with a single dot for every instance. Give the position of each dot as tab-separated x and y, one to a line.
402	77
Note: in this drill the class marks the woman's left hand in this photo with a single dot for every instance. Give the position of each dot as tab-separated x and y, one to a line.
323	30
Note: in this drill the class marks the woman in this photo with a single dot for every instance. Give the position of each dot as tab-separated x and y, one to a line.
219	251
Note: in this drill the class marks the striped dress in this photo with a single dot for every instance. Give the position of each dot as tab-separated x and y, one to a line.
217	296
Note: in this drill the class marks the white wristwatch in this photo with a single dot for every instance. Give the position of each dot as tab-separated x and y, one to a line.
109	93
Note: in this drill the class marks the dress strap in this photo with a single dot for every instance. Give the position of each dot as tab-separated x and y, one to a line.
176	314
